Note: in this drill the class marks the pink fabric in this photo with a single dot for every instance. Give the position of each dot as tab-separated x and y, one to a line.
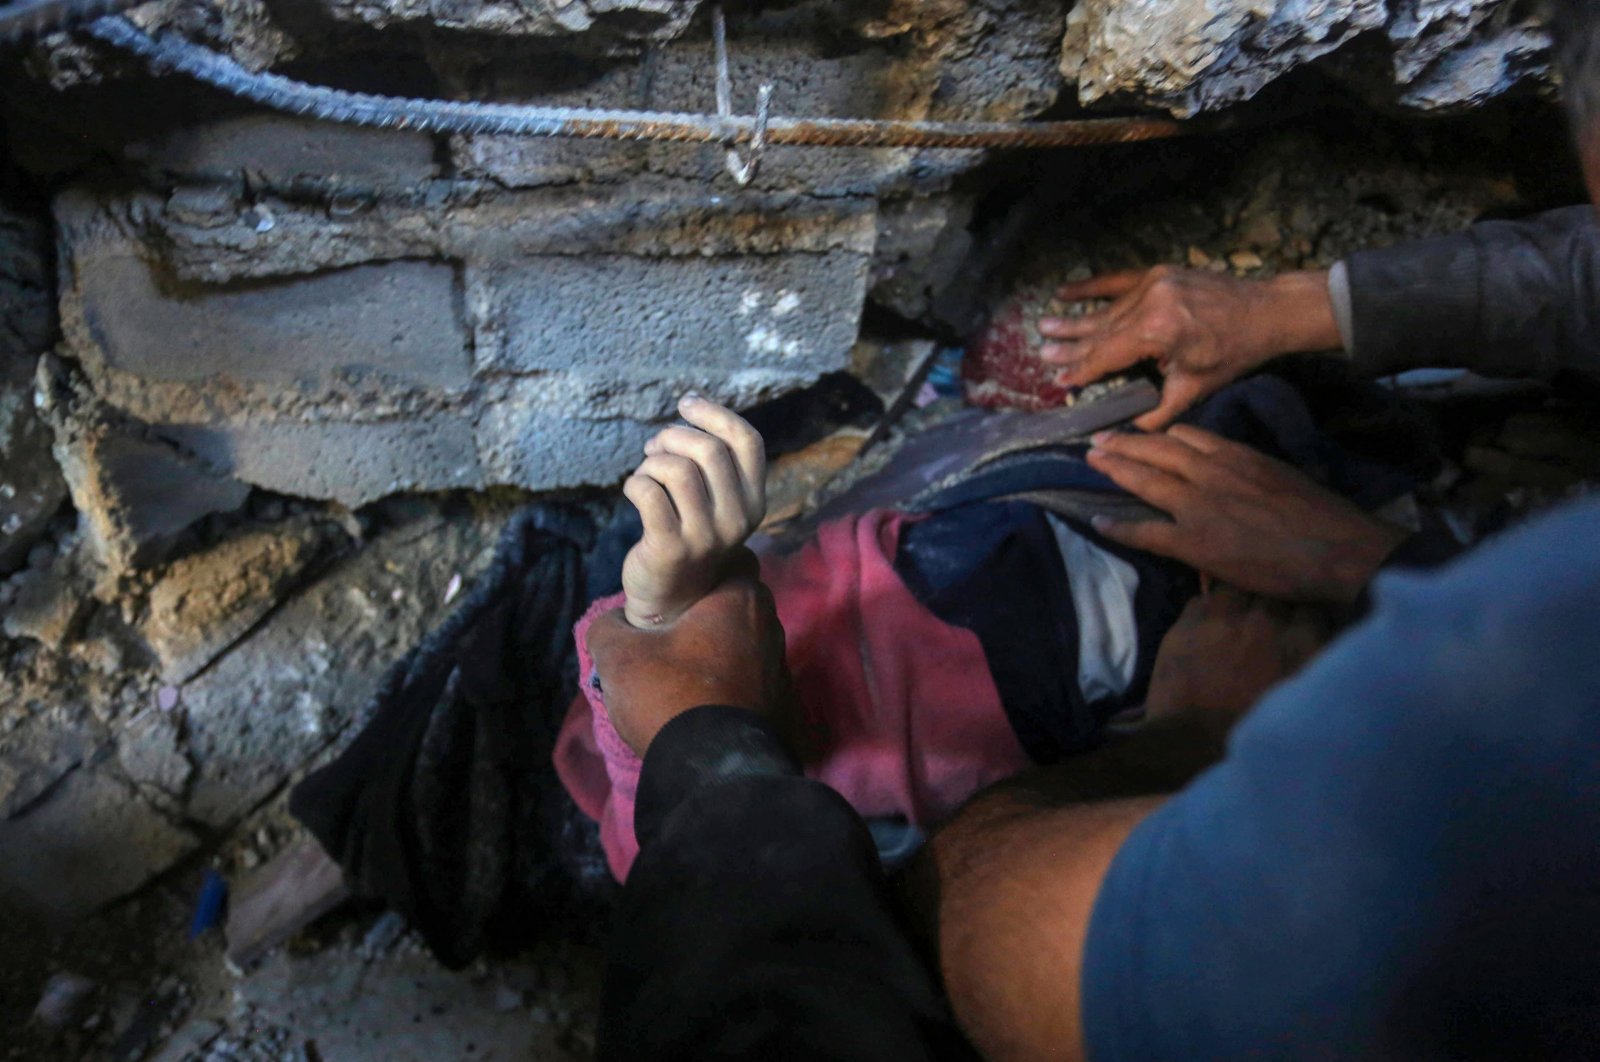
905	714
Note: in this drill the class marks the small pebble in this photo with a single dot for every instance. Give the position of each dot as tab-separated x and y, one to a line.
167	698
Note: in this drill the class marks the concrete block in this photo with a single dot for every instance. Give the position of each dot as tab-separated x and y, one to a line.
90	841
283	149
396	321
618	313
525	446
351	463
134	492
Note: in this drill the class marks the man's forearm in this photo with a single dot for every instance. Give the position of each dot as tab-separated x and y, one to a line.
1504	298
1003	892
756	919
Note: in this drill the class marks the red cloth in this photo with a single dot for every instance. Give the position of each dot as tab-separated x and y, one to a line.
905	713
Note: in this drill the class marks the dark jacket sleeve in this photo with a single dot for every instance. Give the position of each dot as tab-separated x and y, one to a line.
756	922
1504	298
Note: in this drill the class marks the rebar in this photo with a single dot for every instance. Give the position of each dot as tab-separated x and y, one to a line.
172	53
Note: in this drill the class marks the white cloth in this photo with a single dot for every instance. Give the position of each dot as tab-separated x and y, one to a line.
1102	587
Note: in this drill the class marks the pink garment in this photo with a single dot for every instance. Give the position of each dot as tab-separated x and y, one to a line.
906	714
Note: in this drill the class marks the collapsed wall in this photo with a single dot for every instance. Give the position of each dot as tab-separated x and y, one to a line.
271	332
337	313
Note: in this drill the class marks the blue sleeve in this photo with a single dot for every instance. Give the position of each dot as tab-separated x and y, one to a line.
1398	857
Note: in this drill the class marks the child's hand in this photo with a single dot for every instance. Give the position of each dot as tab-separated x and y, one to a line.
701	491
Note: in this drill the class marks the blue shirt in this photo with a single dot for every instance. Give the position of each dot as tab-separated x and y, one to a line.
1400	855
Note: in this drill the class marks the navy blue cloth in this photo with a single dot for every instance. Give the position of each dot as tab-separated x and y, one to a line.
993	566
995	569
1400	855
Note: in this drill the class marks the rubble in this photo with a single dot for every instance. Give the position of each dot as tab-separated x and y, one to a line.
46	607
88	843
305	371
150	753
31	487
202	603
65	1000
1201	55
267	708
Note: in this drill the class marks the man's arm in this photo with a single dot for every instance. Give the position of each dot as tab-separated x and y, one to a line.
756	922
1504	298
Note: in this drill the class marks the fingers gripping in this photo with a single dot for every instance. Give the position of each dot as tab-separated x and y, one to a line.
686	487
716	467
743	442
656	511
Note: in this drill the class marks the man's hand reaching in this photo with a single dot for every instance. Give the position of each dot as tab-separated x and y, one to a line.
700	492
1242	517
1226	651
1203	330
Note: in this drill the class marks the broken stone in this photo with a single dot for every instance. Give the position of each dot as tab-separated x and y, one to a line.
135	492
31	487
65	1000
794	478
90	841
203	602
151	754
294	889
1198	55
287	692
47	608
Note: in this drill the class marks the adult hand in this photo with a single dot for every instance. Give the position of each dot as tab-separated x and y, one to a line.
1242	517
726	649
1227	650
1203	330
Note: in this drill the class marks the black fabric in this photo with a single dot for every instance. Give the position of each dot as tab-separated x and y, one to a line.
445	805
1504	298
756	922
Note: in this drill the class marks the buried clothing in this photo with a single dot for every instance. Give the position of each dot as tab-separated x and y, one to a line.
445	806
935	654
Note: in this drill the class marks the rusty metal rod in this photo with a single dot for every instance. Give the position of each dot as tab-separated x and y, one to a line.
171	53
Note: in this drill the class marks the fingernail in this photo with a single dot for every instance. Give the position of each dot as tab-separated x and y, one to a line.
691	398
1099	438
1101	523
1049	322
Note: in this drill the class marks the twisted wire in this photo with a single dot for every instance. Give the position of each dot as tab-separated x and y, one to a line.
171	53
23	20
